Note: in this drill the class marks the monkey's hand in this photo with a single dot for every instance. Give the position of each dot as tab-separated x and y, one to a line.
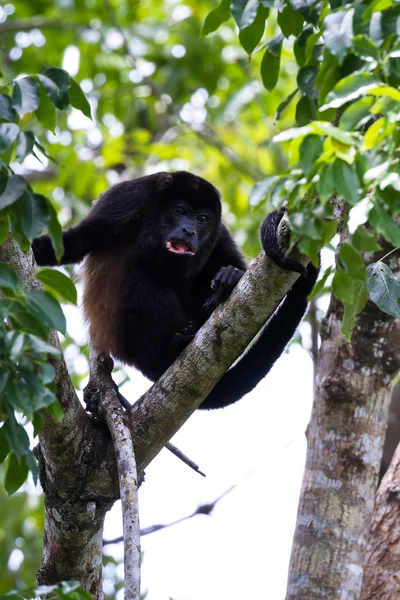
187	333
43	251
222	285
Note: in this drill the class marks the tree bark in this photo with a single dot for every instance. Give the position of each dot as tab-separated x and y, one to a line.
345	439
381	572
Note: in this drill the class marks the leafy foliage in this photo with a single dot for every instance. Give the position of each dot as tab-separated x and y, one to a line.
27	386
348	71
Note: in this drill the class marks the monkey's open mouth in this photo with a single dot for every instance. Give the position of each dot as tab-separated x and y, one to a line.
180	247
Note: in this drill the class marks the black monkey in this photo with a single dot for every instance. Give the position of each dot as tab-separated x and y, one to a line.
158	262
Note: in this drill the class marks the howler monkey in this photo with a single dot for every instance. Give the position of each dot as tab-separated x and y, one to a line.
158	262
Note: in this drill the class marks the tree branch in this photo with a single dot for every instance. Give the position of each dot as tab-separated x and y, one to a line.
111	411
203	509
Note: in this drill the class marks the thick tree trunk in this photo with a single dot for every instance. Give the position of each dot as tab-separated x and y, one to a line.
345	439
69	528
381	572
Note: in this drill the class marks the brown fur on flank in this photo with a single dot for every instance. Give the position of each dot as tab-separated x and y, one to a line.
103	277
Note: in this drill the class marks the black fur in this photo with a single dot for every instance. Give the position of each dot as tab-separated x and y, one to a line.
145	302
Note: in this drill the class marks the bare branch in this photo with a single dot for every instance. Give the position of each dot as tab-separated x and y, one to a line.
203	509
115	417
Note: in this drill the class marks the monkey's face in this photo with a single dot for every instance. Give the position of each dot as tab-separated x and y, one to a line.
185	229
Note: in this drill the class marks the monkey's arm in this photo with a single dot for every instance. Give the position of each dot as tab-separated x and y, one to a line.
113	216
88	236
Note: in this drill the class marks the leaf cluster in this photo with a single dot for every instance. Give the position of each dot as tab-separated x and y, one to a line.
27	385
347	138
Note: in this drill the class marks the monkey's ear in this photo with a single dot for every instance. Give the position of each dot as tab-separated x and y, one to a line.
164	180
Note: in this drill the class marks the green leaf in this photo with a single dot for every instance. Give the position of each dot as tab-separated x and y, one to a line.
16	435
33	214
319	288
250	36
48	309
283	105
216	17
356	114
321	127
373	133
376	5
244	12
15	187
350	88
261	190
292	133
365	48
351	310
353	261
306	81
60	283
55	231
78	99
46	112
7	113
390	22
290	21
310	150
24	320
364	241
56	82
343	286
25	96
16	474
270	63
38	345
19	396
328	75
9	280
306	111
299	46
346	181
8	134
325	183
384	288
4	447
338	32
25	144
383	223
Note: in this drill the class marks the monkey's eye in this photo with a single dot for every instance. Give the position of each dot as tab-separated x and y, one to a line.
202	218
180	211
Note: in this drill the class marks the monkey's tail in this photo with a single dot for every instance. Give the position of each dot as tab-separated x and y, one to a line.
258	360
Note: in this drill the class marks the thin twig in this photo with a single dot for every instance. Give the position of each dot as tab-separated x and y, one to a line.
179	454
203	509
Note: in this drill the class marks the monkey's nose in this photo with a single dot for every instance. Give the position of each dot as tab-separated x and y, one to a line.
187	231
